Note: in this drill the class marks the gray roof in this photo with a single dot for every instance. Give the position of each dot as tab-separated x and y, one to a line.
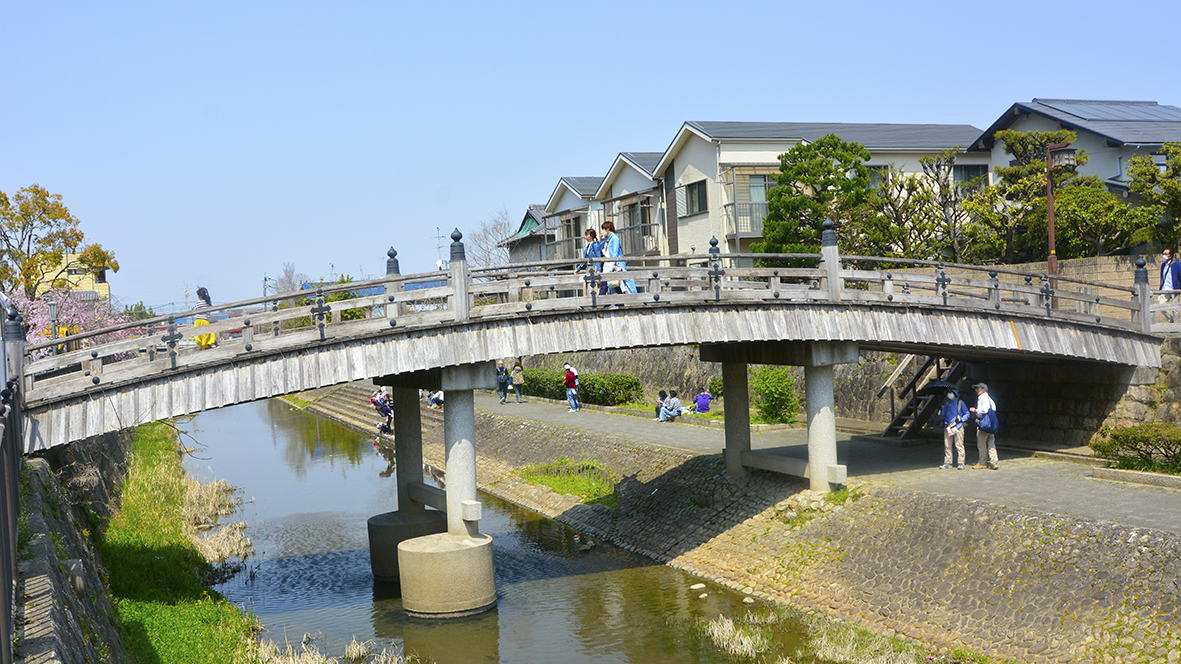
1119	122
584	186
872	135
645	160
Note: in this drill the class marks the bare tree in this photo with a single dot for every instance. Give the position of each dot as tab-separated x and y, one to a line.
290	280
482	246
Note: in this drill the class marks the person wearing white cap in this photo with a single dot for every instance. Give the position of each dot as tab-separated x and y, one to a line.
985	439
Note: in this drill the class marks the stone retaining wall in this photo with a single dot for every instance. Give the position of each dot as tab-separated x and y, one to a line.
64	610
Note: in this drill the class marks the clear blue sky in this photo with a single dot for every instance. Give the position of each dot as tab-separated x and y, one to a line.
209	143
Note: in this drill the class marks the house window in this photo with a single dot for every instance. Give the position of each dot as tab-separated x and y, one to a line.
696	198
965	174
759	185
877	176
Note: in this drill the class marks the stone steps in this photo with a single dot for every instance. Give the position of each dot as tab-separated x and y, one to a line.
349	405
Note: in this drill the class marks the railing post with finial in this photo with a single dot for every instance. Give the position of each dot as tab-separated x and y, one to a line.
715	268
14	349
394	308
830	260
1144	295
459	279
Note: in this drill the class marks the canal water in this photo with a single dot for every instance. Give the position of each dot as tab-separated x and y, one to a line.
309	486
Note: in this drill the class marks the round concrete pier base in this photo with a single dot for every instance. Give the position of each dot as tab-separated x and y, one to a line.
447	576
387	531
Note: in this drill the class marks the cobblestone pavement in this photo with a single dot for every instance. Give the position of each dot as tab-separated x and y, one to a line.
1049	486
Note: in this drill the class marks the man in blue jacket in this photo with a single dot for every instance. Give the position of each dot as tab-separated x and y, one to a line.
1170	279
955	413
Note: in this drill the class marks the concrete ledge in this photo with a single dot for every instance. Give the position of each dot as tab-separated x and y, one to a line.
1137	477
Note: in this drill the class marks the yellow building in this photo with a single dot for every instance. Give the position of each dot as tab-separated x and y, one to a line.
79	278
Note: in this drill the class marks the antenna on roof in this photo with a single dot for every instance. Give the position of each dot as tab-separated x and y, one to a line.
439	237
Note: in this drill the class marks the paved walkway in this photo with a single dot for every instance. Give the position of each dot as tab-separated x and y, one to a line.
1049	486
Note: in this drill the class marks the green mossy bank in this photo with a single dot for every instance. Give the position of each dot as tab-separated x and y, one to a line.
166	612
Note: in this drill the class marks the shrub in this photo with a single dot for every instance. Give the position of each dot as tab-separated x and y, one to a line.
609	389
714	386
1150	447
545	383
775	397
604	389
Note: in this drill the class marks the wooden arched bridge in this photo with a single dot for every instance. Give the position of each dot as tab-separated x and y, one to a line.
410	324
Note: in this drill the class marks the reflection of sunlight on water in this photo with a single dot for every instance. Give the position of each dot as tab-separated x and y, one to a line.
557	602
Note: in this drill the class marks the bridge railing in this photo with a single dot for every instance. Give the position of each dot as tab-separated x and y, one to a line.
292	321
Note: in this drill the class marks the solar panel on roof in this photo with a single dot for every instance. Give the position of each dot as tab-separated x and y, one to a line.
1127	111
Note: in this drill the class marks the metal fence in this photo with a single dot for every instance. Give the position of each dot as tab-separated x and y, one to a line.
11	446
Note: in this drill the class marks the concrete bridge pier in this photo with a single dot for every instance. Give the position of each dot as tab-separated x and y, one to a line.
442	561
817	358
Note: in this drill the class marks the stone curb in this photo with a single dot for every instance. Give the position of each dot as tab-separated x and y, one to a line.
1137	477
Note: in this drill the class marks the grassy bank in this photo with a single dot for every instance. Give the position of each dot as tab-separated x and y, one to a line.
166	613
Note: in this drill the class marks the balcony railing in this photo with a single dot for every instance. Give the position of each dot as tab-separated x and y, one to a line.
564	250
745	219
641	239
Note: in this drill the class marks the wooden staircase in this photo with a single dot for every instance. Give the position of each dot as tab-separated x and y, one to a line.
919	408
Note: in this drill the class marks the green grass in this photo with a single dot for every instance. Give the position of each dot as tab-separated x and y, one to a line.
296	401
166	614
590	489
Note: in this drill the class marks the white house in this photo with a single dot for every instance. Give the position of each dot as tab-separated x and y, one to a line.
1110	132
630	198
570	210
715	175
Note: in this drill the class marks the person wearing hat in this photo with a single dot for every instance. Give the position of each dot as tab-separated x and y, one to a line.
985	441
954	416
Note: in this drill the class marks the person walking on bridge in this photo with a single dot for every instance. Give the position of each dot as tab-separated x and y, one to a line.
1170	279
572	389
955	413
613	248
204	341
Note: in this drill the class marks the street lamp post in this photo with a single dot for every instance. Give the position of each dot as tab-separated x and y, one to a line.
53	322
1057	156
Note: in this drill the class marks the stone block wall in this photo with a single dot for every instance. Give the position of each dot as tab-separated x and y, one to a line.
1070	403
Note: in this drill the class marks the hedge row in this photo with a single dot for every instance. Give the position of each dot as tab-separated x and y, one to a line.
604	389
1150	447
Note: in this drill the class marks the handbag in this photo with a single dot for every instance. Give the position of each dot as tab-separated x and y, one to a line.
990	423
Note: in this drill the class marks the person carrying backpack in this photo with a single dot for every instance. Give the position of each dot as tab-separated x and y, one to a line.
955	413
518	381
987	425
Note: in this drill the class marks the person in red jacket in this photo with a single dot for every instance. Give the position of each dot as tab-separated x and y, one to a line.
572	389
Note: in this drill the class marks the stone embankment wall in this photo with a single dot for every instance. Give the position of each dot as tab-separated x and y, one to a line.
1069	404
941	570
679	368
64	610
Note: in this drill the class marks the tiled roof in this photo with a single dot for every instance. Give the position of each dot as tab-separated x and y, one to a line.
874	136
584	186
645	160
1120	122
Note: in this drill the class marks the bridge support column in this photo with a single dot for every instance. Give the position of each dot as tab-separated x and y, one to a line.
412	519
737	409
817	358
451	574
822	425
